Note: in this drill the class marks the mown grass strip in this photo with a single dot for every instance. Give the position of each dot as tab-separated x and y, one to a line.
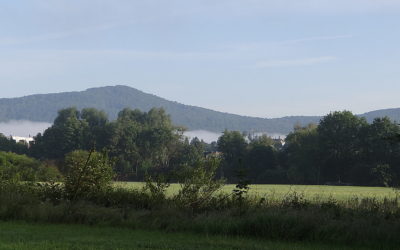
20	235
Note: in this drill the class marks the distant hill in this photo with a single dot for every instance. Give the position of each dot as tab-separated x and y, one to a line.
44	107
394	114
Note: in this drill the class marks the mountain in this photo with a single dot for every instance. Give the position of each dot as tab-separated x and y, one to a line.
394	114
112	99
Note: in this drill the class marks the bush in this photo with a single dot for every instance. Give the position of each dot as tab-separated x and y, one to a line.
23	168
198	184
88	172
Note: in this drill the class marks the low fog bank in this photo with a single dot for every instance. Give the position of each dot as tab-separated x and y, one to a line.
204	135
209	136
28	128
23	128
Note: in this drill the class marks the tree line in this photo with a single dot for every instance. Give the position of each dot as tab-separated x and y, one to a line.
343	149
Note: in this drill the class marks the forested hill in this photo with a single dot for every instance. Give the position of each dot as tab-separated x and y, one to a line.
44	107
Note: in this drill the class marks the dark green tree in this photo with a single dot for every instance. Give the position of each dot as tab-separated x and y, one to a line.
233	146
144	142
340	143
302	155
188	153
261	158
97	133
73	130
64	136
10	145
379	150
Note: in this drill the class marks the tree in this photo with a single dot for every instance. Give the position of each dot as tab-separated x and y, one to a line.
378	148
188	153
73	130
381	153
302	155
125	132
144	141
97	133
10	145
340	144
233	147
64	136
261	156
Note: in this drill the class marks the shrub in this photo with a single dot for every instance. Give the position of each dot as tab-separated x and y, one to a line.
198	184
88	172
295	200
51	191
23	168
156	188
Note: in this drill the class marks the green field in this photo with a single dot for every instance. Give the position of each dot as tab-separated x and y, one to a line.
310	192
18	235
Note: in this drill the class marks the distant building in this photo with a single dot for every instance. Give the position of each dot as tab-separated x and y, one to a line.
210	154
21	139
279	141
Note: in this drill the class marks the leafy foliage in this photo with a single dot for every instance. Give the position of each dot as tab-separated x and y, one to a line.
198	184
88	172
10	145
233	147
242	187
22	168
145	141
139	142
343	149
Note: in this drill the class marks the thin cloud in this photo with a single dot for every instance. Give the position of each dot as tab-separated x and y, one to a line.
316	38
51	55
276	44
295	62
7	41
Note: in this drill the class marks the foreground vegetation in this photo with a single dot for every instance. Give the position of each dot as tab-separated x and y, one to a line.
355	222
18	235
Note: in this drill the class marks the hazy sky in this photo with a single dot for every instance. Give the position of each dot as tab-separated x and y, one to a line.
265	58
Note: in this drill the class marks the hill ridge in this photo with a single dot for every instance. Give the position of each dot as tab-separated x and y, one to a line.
112	99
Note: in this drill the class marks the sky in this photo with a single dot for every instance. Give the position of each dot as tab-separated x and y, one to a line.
265	58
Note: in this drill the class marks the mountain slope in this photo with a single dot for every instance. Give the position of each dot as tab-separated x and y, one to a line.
44	107
394	114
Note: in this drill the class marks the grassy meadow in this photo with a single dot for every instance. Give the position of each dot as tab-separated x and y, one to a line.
19	235
310	192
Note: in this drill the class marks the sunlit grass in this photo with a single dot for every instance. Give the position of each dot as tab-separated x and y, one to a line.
310	192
